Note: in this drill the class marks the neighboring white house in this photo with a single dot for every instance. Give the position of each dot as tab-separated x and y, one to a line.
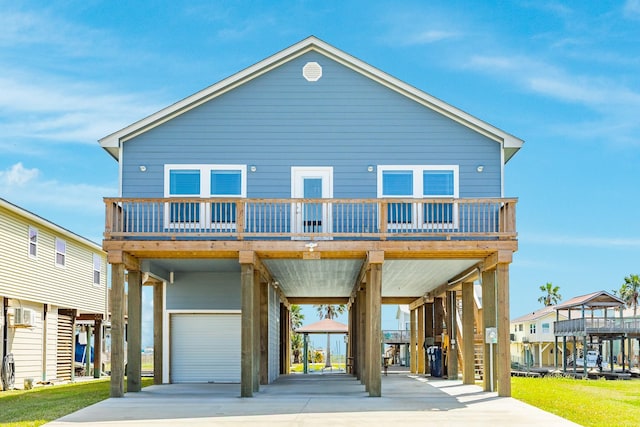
49	278
532	338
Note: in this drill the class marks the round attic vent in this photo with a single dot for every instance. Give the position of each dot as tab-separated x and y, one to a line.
312	71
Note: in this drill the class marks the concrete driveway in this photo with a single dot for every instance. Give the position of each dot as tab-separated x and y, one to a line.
310	400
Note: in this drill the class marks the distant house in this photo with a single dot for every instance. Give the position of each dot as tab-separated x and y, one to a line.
309	177
533	338
50	278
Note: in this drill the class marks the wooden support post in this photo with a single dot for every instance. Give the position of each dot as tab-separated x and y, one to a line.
362	303
257	331
87	357
413	366
264	331
247	344
452	326
134	333
97	350
489	321
468	374
158	313
375	332
420	341
504	352
428	331
117	331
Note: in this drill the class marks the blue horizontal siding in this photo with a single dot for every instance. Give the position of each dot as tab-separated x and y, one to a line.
279	120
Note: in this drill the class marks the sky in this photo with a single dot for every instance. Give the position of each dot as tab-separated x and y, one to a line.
563	76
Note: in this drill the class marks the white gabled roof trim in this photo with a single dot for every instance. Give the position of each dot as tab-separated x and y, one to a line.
112	143
38	220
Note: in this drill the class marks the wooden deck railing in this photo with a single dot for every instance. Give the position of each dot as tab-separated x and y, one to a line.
597	325
213	218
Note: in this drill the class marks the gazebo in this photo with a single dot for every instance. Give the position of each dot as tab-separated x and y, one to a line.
324	326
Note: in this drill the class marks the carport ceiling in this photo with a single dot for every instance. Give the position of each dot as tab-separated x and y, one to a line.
332	278
336	278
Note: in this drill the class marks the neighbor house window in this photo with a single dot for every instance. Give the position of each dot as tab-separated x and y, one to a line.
545	328
33	242
204	181
532	328
520	327
417	182
97	268
61	252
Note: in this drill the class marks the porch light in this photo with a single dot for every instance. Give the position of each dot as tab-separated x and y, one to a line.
253	168
480	168
311	246
142	168
370	168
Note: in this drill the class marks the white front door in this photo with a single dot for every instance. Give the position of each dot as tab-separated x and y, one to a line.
311	183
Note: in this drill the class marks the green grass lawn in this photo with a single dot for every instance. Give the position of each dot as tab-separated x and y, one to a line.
586	402
313	367
44	404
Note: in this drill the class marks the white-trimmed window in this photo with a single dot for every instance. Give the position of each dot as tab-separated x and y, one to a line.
97	268
546	328
61	252
33	242
204	181
532	328
417	182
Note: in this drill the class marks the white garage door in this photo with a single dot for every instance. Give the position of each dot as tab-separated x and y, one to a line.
205	348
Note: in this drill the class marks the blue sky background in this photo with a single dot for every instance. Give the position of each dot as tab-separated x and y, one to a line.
563	76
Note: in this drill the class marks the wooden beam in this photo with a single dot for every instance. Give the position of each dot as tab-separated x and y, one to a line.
317	300
399	300
413	305
122	257
293	249
499	257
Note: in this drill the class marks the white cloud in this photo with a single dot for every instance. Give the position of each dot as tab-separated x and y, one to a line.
24	186
18	176
429	36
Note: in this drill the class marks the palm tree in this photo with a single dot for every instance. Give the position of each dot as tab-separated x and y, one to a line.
551	294
295	318
328	311
629	293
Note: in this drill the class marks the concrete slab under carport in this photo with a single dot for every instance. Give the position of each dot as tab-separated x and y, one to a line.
319	399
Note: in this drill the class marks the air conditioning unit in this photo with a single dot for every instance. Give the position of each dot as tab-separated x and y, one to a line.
23	317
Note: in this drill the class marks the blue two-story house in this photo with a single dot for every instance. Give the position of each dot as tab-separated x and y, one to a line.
309	177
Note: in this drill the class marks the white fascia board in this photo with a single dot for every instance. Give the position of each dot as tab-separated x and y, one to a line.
112	142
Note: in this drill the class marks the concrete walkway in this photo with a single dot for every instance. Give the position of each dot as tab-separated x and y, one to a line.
314	400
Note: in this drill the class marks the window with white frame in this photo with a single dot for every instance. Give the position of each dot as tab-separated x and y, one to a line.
97	268
61	252
546	328
532	328
33	242
204	181
432	182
